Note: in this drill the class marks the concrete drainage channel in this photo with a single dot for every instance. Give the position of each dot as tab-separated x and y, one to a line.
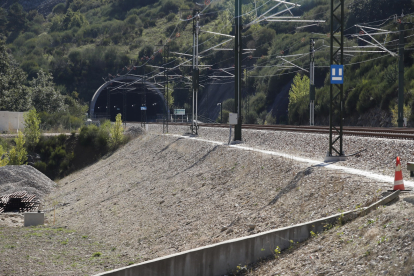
221	258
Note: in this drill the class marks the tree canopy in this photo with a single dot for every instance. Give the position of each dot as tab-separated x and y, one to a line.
14	94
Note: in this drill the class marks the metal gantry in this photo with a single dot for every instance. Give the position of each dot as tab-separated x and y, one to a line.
336	94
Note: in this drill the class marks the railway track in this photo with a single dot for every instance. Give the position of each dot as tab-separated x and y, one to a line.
377	132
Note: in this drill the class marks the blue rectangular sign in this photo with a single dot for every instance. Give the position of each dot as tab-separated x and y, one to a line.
337	74
143	108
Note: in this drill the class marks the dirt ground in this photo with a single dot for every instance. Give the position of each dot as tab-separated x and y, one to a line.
160	195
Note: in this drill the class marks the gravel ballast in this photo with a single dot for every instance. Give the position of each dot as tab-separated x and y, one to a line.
25	178
379	157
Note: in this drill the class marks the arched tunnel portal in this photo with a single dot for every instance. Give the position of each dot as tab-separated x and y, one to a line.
127	94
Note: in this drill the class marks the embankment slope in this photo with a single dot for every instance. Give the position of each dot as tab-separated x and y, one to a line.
160	195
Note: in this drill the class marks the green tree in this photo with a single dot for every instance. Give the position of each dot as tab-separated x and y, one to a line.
17	17
44	95
4	159
117	132
14	95
32	127
3	20
18	154
394	113
297	98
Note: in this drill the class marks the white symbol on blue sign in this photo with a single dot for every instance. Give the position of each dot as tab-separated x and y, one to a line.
143	108
337	74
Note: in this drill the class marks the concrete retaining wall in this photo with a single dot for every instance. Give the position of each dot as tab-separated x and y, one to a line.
221	258
11	121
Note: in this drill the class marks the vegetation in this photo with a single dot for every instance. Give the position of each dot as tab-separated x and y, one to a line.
82	42
18	154
4	159
117	132
298	98
32	127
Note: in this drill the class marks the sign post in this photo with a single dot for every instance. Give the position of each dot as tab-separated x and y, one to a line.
337	74
180	112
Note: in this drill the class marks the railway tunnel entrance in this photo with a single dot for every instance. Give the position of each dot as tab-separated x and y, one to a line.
126	95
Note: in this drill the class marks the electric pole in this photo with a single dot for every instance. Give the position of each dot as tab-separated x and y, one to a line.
312	83
108	104
143	101
237	67
401	75
125	107
336	94
196	72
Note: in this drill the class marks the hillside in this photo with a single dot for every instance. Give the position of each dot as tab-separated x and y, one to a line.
84	43
162	194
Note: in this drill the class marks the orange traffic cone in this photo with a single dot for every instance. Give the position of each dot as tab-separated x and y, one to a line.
398	180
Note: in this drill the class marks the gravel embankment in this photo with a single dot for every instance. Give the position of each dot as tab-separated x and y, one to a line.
380	243
160	195
379	156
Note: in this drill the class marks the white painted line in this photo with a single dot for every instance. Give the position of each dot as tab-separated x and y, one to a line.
371	175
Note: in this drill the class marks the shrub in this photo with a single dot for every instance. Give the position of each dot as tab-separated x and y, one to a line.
58	154
4	159
228	105
32	127
132	19
170	17
96	254
41	166
59	8
250	118
117	132
170	7
88	135
257	102
18	154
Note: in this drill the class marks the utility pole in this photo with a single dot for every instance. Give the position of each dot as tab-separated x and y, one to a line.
237	67
143	101
125	108
336	152
196	71
108	104
401	75
167	53
312	83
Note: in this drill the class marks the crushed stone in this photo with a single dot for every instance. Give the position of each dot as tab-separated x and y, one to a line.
25	178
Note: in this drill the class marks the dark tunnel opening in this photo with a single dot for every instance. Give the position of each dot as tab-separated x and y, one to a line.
134	101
